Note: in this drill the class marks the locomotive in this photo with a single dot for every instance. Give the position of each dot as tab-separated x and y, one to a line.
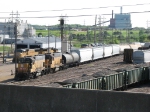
32	66
31	52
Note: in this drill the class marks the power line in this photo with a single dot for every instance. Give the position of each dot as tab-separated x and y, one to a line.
87	8
77	15
82	8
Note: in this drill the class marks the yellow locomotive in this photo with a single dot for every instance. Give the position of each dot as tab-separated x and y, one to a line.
30	67
53	62
20	53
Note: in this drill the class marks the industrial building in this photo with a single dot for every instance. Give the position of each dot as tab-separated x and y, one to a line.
121	21
39	42
24	29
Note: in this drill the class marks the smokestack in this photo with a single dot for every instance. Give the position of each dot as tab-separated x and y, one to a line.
120	10
112	14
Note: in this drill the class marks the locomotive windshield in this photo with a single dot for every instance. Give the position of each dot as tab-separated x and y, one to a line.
26	60
20	50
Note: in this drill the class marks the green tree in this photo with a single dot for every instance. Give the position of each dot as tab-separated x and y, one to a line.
40	35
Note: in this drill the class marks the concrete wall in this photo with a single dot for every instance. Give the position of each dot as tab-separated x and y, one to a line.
42	99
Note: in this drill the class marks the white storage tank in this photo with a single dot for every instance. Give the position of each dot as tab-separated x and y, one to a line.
98	52
141	56
107	50
116	49
85	54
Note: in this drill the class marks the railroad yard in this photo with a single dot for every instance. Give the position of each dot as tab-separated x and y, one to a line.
77	74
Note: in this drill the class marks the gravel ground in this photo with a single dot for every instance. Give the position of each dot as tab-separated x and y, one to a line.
5	72
145	88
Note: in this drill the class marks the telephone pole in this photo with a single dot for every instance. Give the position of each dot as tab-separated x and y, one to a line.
88	34
16	35
61	28
100	29
95	29
4	42
12	20
48	38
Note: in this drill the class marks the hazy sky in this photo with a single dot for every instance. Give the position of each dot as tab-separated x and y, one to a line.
44	6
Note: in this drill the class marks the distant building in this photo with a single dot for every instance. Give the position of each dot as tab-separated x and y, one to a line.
24	29
39	42
121	21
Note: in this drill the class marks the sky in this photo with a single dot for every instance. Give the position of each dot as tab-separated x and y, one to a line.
31	9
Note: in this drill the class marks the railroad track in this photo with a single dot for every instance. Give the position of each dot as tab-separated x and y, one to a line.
75	72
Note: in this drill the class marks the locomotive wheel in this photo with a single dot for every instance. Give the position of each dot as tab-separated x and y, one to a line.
34	75
49	71
41	73
60	68
26	76
52	70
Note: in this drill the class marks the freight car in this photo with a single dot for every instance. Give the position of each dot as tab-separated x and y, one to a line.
58	61
119	79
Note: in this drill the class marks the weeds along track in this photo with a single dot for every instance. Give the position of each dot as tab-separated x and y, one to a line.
110	63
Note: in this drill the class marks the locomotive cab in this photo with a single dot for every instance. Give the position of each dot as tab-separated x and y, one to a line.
53	62
24	67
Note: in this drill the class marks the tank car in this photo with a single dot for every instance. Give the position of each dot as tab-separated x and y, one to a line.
30	67
85	54
70	59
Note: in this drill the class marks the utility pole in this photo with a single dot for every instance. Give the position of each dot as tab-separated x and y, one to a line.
48	38
4	42
12	17
87	34
95	29
61	28
15	33
100	30
11	35
70	36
